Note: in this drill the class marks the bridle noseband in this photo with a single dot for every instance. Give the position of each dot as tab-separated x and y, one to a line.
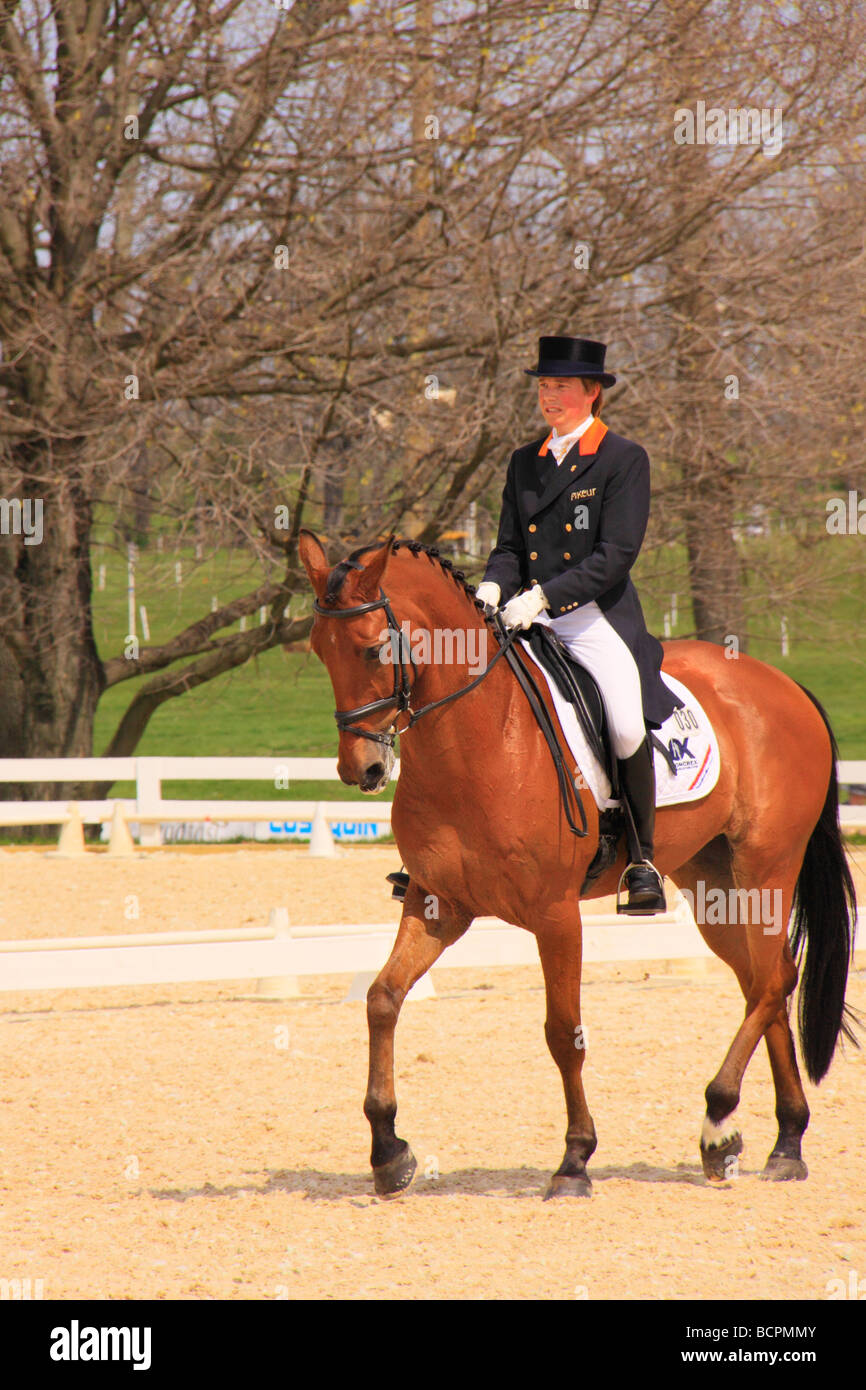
402	691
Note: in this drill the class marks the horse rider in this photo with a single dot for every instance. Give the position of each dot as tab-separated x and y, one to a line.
574	513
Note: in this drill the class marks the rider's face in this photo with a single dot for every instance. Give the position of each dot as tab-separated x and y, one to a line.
564	401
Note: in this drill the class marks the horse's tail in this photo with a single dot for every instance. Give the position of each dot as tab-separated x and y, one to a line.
824	914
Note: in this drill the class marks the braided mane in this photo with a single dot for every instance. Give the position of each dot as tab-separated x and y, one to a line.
338	574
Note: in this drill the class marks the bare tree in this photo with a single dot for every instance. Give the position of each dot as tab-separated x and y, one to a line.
262	268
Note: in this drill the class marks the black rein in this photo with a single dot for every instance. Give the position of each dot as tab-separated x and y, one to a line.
402	692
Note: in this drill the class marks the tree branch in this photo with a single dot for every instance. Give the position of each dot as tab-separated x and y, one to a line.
226	657
197	637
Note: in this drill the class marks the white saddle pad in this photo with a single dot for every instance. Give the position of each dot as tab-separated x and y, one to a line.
688	736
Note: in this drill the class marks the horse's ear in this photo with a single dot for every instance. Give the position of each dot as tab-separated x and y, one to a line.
370	579
314	559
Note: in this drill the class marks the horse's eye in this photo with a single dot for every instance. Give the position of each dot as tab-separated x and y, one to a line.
371	653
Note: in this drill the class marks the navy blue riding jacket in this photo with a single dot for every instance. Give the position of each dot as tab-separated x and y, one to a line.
576	529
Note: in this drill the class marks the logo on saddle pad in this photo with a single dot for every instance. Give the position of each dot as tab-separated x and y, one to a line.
681	755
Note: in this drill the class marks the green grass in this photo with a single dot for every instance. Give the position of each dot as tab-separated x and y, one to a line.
826	649
278	704
282	703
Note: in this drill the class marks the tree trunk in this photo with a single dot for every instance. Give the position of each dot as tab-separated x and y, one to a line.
714	562
700	415
51	676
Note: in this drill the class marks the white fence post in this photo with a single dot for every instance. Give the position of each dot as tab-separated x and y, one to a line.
148	795
279	986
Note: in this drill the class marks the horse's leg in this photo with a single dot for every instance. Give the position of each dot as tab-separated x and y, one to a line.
792	1111
721	1140
419	943
772	979
560	950
758	953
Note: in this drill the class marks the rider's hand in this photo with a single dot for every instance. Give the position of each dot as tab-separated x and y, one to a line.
523	609
488	594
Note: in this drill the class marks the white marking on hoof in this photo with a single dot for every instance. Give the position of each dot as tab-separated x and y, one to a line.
714	1135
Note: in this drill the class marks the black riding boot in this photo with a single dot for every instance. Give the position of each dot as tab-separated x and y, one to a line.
637	777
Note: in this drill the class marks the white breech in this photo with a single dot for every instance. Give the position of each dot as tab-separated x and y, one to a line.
590	638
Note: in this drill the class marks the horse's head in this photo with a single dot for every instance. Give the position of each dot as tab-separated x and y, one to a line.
348	637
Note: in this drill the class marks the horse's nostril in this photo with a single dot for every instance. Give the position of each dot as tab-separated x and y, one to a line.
374	773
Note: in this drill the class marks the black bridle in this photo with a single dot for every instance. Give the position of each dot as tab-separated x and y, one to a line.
402	692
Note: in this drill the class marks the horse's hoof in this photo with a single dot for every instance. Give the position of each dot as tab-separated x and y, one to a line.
392	1178
568	1185
779	1168
720	1160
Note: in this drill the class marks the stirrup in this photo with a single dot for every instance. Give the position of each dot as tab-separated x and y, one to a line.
640	909
400	882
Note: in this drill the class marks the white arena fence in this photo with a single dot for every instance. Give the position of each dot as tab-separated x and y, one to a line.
150	812
153	815
279	954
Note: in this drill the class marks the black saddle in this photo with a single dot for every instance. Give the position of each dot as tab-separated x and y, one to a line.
579	688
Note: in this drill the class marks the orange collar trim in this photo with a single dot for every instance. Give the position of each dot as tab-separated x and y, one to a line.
588	442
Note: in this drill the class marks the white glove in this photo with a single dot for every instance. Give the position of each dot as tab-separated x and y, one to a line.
523	609
488	593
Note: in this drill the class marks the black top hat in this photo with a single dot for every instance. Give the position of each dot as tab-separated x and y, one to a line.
571	357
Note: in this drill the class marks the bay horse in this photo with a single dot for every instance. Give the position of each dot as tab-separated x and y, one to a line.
482	832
